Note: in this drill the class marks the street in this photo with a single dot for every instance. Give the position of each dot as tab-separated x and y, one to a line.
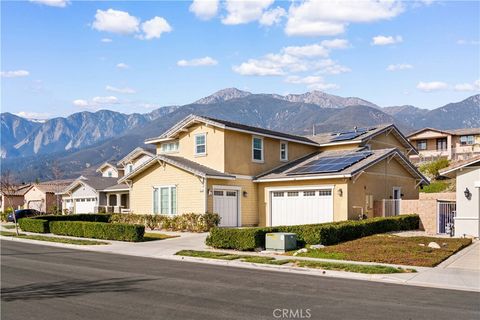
42	282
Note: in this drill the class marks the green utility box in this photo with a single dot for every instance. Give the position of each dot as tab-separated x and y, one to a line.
280	241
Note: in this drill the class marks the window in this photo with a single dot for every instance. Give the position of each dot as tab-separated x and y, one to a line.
129	168
422	144
466	140
109	174
278	194
201	144
165	200
324	192
292	194
442	144
231	193
169	147
217	193
257	149
283	151
308	193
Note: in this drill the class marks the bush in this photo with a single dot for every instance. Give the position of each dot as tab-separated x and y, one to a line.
434	187
3	216
98	230
192	222
325	233
431	169
87	217
34	225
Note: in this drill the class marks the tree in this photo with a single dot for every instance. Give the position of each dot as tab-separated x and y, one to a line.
8	189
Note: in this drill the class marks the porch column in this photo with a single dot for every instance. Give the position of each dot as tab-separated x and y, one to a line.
108	199
449	147
119	201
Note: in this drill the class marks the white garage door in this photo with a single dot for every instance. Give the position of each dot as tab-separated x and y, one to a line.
294	207
225	203
85	205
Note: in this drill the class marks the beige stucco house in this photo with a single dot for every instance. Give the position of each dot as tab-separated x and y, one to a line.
42	196
14	197
253	176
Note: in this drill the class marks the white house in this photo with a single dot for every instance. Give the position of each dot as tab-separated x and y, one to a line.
467	220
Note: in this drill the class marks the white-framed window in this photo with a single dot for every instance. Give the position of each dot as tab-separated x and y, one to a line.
165	200
283	151
466	140
169	147
201	144
129	168
257	149
110	174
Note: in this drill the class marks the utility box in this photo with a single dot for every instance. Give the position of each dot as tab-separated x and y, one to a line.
280	241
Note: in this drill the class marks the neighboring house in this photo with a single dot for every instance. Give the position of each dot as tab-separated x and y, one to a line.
458	144
14	198
254	176
92	194
467	174
43	197
109	170
135	159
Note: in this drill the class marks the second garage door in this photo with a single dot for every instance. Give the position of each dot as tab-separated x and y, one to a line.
294	207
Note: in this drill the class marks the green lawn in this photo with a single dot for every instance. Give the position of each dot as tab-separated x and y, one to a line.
350	267
391	249
152	236
53	239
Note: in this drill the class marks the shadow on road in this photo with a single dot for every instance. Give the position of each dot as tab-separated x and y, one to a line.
62	289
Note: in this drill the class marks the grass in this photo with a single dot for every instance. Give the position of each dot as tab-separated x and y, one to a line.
151	236
52	239
392	249
9	226
350	267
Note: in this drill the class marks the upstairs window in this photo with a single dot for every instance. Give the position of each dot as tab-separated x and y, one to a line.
129	168
169	147
257	149
466	140
283	151
110	174
201	144
442	144
422	145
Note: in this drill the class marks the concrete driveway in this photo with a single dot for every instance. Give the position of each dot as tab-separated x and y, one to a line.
467	259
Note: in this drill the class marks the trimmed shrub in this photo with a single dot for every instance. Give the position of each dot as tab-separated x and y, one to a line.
98	230
192	222
325	233
33	225
87	217
3	216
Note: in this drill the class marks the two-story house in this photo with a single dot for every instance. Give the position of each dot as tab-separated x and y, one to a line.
432	144
253	176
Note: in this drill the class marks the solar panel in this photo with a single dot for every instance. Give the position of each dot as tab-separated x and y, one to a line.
348	135
330	164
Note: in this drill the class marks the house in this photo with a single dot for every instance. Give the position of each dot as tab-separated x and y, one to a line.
42	196
467	174
253	176
432	144
13	198
93	194
127	164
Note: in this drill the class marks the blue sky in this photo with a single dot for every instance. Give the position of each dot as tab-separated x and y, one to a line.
60	57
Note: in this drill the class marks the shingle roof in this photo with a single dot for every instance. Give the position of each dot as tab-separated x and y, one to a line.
456	132
134	152
53	186
96	182
460	164
20	190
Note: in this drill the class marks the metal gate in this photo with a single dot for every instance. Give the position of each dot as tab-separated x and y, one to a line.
446	211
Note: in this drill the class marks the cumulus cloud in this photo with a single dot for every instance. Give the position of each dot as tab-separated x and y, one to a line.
399	66
33	115
312	82
52	3
126	90
336	44
122	65
14	74
106	40
313	50
432	86
475	86
96	102
273	16
240	12
80	103
199	62
386	40
115	21
321	18
204	9
154	28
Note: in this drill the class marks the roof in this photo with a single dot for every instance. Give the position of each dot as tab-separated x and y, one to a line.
20	190
95	182
187	121
460	164
107	164
281	173
135	152
455	132
182	163
53	186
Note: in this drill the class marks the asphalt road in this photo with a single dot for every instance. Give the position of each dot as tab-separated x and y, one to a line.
42	282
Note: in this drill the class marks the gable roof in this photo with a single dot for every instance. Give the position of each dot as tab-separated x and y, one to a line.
281	173
53	186
134	153
107	164
181	163
455	132
224	124
20	190
461	164
95	182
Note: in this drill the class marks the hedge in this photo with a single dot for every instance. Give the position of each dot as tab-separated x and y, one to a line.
98	230
87	217
325	233
34	225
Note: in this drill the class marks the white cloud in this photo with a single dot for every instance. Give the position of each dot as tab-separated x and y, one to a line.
204	9
33	115
106	40
52	3
122	65
126	90
385	40
273	16
399	66
105	100
205	61
116	21
312	82
96	102
336	43
154	28
321	18
255	67
432	86
80	103
240	12
328	66
475	86
14	74
313	50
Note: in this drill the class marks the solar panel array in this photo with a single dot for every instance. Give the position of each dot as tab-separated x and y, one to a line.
348	135
330	164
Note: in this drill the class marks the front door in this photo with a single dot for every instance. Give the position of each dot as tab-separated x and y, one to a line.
225	204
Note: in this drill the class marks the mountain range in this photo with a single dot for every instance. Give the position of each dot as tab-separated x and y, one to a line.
80	142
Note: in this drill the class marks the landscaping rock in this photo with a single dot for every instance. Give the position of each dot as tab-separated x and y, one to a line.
434	245
303	250
317	246
421	244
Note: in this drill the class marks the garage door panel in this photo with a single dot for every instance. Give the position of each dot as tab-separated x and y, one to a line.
225	204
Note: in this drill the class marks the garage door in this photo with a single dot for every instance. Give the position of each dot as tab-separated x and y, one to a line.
35	204
85	205
293	207
225	203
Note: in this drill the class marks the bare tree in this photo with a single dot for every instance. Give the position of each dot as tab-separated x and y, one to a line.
9	189
56	170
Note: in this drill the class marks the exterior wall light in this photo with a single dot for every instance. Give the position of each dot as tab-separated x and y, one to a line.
245	193
467	194
210	192
340	192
